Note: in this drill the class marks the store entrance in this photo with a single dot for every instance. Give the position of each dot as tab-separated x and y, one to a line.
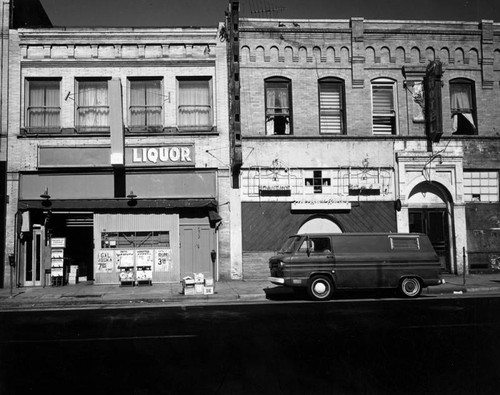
77	229
32	273
434	223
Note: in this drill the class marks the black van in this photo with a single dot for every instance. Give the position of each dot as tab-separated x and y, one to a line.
325	262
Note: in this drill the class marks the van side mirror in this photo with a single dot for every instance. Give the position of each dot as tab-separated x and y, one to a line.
308	249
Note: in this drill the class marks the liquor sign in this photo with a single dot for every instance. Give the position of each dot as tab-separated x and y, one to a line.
165	155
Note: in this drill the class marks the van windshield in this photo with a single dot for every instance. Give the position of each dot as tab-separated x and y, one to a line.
290	245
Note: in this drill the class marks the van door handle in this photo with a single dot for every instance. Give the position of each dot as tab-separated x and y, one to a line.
330	256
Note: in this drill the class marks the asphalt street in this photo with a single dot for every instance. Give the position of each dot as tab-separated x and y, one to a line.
432	345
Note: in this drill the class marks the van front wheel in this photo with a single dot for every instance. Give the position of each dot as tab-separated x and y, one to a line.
320	288
410	287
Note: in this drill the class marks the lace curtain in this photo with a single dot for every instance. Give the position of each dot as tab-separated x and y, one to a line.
93	109
145	103
194	103
44	104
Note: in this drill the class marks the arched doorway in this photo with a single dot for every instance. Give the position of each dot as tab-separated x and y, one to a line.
429	212
319	225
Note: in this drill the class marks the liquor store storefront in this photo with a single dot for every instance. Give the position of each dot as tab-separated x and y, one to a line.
116	226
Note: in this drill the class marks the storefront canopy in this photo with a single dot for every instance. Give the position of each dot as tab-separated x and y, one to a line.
118	204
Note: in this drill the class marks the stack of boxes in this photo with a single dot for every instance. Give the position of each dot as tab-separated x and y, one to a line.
73	274
198	285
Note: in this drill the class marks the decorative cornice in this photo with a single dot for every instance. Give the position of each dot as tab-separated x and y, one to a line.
157	62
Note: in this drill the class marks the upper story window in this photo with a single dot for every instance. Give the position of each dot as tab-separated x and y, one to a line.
92	108
278	106
145	103
195	108
331	106
463	106
384	106
481	186
43	105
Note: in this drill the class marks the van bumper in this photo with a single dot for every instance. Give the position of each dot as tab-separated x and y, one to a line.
277	280
438	281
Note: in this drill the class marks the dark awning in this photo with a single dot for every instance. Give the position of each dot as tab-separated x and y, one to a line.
118	204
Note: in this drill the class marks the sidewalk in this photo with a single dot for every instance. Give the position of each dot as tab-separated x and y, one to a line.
88	295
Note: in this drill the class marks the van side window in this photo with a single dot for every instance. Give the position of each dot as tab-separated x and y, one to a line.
404	243
321	244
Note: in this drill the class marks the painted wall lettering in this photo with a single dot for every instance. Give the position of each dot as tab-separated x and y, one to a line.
174	155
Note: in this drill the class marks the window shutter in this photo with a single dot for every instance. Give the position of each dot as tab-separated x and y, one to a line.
383	109
330	108
383	100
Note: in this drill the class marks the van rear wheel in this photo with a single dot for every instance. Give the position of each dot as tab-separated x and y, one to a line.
410	287
320	288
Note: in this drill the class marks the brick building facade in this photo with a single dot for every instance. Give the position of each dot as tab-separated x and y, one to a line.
117	155
174	151
334	134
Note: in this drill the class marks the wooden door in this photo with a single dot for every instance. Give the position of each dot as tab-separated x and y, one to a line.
196	245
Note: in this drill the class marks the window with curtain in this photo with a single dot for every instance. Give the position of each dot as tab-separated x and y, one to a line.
463	106
331	106
92	109
383	107
195	103
278	106
43	104
146	103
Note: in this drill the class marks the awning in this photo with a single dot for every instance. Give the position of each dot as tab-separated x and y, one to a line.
119	204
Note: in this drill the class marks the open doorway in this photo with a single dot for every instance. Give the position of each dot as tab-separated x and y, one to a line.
429	208
77	229
433	223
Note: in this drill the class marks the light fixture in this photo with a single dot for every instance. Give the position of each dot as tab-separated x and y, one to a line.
46	198
45	195
131	195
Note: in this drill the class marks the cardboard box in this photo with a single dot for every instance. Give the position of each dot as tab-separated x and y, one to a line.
187	281
198	288
209	282
189	290
199	278
208	290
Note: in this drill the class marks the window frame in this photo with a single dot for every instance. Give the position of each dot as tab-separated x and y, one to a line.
333	81
267	113
211	104
27	122
471	85
385	82
475	188
146	127
104	129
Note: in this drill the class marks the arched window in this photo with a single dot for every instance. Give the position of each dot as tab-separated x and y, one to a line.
278	106
319	225
384	106
331	105
463	106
